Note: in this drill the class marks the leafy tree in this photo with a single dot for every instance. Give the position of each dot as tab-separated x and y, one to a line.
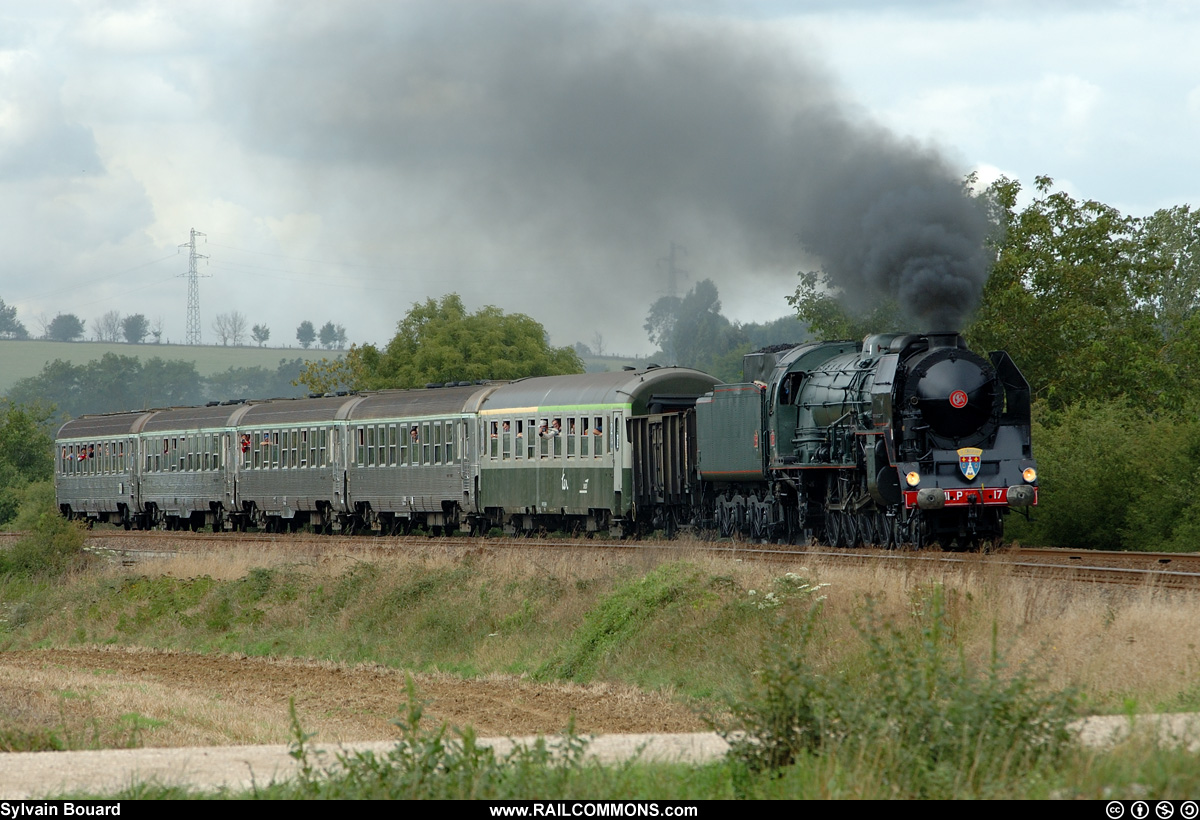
328	335
26	452
784	330
817	305
10	328
327	375
305	334
135	328
660	324
438	341
260	334
701	335
257	382
65	327
1072	297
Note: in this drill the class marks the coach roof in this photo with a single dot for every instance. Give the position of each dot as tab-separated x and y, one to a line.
626	387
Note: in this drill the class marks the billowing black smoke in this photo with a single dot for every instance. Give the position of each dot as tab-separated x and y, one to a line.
554	149
891	218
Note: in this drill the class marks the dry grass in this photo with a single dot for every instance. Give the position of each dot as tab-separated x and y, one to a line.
1115	643
1119	646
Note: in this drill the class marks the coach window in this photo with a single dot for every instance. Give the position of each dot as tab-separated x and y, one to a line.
506	440
426	443
571	432
494	437
275	449
598	436
437	442
449	425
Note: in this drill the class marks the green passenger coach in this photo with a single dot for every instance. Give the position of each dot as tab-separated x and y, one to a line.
554	451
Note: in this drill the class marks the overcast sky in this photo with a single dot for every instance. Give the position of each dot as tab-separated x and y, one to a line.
346	159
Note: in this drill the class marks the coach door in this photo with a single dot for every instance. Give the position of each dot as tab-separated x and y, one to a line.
465	459
614	447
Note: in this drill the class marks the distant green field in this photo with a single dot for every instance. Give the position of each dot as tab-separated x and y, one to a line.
19	360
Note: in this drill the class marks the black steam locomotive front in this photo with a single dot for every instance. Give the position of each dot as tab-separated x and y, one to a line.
960	432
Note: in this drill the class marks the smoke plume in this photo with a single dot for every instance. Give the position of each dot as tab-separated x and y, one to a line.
563	146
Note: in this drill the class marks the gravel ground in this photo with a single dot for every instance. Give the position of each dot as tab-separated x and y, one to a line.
26	775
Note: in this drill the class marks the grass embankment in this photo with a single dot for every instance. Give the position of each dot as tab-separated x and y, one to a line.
881	684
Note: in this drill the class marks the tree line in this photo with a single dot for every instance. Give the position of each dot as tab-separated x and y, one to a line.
231	328
116	383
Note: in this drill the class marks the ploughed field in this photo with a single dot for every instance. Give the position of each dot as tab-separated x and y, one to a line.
212	700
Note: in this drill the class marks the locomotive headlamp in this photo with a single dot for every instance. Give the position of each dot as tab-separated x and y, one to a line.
1029	474
913	478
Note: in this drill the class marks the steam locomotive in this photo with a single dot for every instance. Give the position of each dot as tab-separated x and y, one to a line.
901	439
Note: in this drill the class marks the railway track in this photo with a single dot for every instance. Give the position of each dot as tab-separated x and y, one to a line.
1167	570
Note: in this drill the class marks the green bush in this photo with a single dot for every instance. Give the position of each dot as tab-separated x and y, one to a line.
52	547
931	723
430	764
1114	477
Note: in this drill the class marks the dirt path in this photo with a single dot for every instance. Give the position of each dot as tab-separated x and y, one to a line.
176	699
204	719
